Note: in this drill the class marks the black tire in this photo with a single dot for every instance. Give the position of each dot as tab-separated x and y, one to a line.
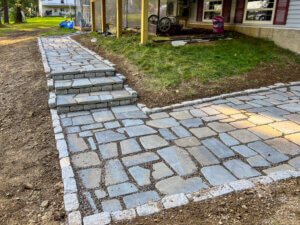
153	19
164	25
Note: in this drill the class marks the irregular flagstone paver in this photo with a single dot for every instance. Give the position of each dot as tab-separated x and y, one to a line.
244	150
284	146
217	175
139	159
241	169
91	178
103	116
108	151
140	175
139	130
180	131
294	138
140	198
175	185
160	170
218	148
258	161
118	156
167	134
130	146
244	136
286	127
203	156
86	159
228	140
220	127
265	132
268	152
114	172
194	122
108	136
163	123
181	115
203	132
295	162
282	167
121	189
82	120
76	144
111	205
153	141
178	159
187	142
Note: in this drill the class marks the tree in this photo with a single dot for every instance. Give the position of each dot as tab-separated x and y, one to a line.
18	18
5	11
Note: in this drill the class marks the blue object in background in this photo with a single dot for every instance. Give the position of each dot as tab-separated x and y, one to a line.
67	24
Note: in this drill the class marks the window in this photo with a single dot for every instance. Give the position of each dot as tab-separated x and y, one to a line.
259	10
211	9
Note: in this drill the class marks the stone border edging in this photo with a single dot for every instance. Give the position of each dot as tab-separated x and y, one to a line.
149	111
177	200
71	202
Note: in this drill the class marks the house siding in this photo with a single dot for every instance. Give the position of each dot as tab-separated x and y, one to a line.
293	19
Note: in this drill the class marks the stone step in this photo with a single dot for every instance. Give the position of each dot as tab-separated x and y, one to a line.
82	73
87	85
93	100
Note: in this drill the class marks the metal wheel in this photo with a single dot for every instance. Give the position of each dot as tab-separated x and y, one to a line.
164	25
153	19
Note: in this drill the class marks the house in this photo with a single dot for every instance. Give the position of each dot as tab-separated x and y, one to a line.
56	7
277	20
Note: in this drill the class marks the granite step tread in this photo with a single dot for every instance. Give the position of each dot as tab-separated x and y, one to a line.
93	100
67	75
86	85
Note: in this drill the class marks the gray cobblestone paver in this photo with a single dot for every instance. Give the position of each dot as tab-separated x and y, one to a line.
119	157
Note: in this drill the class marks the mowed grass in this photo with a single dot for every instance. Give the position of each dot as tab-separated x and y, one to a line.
166	66
45	25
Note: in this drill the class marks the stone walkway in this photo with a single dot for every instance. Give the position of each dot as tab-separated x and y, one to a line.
122	158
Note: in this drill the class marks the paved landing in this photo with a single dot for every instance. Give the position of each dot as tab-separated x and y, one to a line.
123	158
65	56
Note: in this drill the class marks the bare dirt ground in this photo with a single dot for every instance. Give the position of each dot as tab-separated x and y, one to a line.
277	204
30	187
264	75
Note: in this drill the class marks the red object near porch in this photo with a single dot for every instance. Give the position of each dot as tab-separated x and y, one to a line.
218	24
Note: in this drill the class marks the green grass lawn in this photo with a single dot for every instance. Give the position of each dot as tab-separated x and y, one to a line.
46	26
167	67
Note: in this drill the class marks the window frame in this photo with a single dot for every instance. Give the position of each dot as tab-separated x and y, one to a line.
203	13
262	9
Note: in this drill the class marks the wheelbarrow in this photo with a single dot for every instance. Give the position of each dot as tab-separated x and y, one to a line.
165	25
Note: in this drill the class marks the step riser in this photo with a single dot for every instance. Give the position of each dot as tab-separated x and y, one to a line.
65	109
109	87
82	75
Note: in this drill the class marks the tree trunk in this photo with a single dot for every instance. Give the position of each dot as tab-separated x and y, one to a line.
18	15
5	11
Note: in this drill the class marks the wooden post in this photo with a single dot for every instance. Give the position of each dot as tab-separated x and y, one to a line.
103	15
93	15
144	21
119	13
